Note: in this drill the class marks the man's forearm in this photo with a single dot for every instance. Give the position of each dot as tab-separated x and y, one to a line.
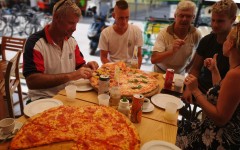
44	81
158	57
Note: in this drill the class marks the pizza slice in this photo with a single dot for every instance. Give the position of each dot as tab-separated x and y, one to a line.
56	118
32	135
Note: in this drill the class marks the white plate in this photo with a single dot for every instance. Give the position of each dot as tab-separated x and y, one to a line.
80	81
18	125
176	76
41	105
160	100
87	87
149	108
159	145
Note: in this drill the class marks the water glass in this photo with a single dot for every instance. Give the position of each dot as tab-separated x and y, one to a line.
71	92
178	85
170	111
103	99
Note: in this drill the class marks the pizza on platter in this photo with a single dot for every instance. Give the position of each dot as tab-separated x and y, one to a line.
88	128
131	81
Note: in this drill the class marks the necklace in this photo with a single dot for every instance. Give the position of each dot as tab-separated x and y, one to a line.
236	66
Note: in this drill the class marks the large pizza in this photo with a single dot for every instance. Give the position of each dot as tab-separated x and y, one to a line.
88	128
131	81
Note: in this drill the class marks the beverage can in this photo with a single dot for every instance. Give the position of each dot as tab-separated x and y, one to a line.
103	84
136	111
169	79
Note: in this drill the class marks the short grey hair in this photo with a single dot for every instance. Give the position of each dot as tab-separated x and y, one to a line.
62	8
186	5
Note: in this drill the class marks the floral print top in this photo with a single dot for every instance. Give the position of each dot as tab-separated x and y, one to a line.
206	135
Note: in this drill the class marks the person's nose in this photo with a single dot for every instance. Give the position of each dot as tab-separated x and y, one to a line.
214	24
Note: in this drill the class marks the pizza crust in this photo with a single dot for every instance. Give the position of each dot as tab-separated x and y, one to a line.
88	127
132	81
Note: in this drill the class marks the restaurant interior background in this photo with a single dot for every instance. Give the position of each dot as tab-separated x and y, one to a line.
20	18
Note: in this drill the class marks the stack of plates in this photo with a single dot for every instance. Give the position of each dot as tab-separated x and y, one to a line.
82	84
40	105
159	145
161	100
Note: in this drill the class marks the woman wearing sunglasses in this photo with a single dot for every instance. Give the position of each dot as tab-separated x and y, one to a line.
220	129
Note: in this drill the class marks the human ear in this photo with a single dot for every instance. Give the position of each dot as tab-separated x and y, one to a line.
232	45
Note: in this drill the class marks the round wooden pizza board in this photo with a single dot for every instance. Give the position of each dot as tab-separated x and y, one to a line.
148	94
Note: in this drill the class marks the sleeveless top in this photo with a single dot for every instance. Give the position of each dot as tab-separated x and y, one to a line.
206	135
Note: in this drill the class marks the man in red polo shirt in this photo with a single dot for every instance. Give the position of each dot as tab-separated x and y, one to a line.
52	57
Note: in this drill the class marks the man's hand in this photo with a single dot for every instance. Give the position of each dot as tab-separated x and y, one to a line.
211	63
93	65
177	44
84	72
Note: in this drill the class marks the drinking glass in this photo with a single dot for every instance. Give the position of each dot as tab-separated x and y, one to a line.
103	99
170	111
71	92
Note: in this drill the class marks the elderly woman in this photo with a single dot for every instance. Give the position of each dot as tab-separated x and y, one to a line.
221	128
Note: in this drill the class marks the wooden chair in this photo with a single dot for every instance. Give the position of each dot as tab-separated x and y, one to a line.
10	46
11	83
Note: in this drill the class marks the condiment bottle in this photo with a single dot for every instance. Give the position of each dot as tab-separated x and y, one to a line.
123	106
103	84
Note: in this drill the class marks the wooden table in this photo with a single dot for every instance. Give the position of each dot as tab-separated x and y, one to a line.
152	127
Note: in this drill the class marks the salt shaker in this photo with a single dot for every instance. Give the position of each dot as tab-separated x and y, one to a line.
123	106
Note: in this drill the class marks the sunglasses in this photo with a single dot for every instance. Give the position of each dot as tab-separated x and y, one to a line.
60	5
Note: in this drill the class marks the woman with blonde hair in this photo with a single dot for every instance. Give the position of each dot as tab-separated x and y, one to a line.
220	129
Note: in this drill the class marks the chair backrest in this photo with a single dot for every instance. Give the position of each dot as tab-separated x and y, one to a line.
12	82
10	46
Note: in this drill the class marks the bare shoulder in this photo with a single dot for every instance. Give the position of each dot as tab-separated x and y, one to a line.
233	74
232	79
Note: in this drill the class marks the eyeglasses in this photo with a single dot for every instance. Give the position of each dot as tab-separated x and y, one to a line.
187	16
